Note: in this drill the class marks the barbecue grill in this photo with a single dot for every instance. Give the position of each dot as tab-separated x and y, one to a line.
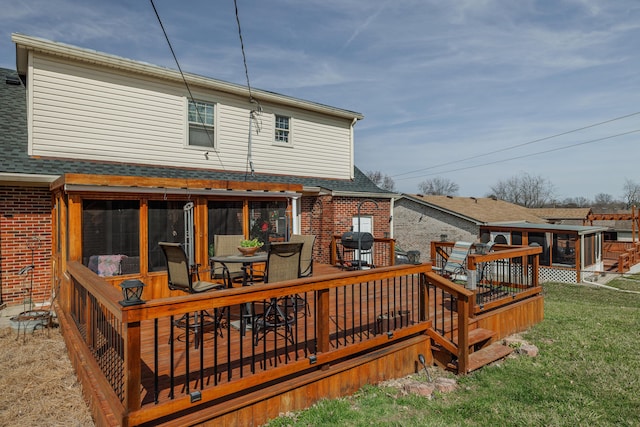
350	240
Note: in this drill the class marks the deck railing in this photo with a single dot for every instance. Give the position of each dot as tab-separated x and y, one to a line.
155	362
505	272
624	254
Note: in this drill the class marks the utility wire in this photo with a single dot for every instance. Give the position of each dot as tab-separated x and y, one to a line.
518	145
253	113
244	58
524	155
186	84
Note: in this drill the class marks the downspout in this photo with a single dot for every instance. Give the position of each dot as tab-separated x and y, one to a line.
391	220
352	153
249	148
295	224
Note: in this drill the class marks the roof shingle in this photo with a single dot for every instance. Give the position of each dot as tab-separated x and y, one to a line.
482	210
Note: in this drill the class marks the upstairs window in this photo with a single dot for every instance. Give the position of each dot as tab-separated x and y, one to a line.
282	129
201	124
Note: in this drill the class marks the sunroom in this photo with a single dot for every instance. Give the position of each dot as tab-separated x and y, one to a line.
115	229
569	252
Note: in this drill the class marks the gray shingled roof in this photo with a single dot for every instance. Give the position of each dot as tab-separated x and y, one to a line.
15	160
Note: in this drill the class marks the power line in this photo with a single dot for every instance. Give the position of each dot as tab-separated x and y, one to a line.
517	146
525	155
244	58
253	114
186	84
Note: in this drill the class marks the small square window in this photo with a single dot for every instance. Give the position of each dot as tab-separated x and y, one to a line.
201	124
282	129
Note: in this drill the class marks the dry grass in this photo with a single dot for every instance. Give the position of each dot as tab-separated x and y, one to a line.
37	382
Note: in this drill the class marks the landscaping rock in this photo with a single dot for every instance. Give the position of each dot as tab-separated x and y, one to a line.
420	389
528	350
446	385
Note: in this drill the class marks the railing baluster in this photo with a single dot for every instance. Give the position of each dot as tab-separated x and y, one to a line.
156	367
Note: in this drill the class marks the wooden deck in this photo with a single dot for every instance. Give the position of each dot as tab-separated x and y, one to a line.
142	368
172	359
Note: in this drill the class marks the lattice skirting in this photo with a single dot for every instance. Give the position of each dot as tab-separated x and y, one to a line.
547	274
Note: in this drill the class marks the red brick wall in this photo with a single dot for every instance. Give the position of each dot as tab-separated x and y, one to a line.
25	224
325	216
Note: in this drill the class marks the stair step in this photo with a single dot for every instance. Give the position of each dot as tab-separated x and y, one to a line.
479	335
487	355
476	336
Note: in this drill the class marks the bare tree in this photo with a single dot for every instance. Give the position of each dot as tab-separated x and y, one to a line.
603	202
526	190
438	187
577	202
381	180
631	193
603	199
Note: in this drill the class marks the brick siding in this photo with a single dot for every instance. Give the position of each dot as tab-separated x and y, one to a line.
327	215
25	225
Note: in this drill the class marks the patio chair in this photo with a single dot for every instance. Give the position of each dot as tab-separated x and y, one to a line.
456	266
225	245
283	263
306	257
180	277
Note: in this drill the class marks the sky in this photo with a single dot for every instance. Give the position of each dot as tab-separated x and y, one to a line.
472	91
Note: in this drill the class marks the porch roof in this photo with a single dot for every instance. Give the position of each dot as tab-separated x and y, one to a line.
554	228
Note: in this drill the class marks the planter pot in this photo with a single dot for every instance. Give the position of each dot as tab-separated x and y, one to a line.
248	251
386	322
29	321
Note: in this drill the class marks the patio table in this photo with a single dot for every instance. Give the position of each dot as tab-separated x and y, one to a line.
247	262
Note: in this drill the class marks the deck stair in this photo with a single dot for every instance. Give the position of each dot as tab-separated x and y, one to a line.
486	355
482	350
479	338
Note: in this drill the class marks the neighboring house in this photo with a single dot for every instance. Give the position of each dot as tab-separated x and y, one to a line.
566	216
419	220
104	156
569	251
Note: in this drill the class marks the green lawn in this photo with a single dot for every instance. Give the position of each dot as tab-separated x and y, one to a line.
587	373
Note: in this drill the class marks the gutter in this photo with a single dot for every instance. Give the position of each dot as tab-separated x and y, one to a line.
33	180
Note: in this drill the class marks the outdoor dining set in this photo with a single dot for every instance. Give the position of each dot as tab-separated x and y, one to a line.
229	268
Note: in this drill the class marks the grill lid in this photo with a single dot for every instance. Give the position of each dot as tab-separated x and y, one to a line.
350	240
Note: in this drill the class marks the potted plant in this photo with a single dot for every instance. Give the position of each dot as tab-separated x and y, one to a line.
250	247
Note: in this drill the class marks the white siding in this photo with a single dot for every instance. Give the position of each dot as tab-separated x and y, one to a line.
85	112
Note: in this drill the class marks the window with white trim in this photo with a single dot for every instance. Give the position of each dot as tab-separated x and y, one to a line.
282	129
201	124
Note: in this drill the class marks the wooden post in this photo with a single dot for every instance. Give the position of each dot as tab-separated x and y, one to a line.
472	272
535	271
322	320
332	251
463	334
634	230
392	252
132	370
